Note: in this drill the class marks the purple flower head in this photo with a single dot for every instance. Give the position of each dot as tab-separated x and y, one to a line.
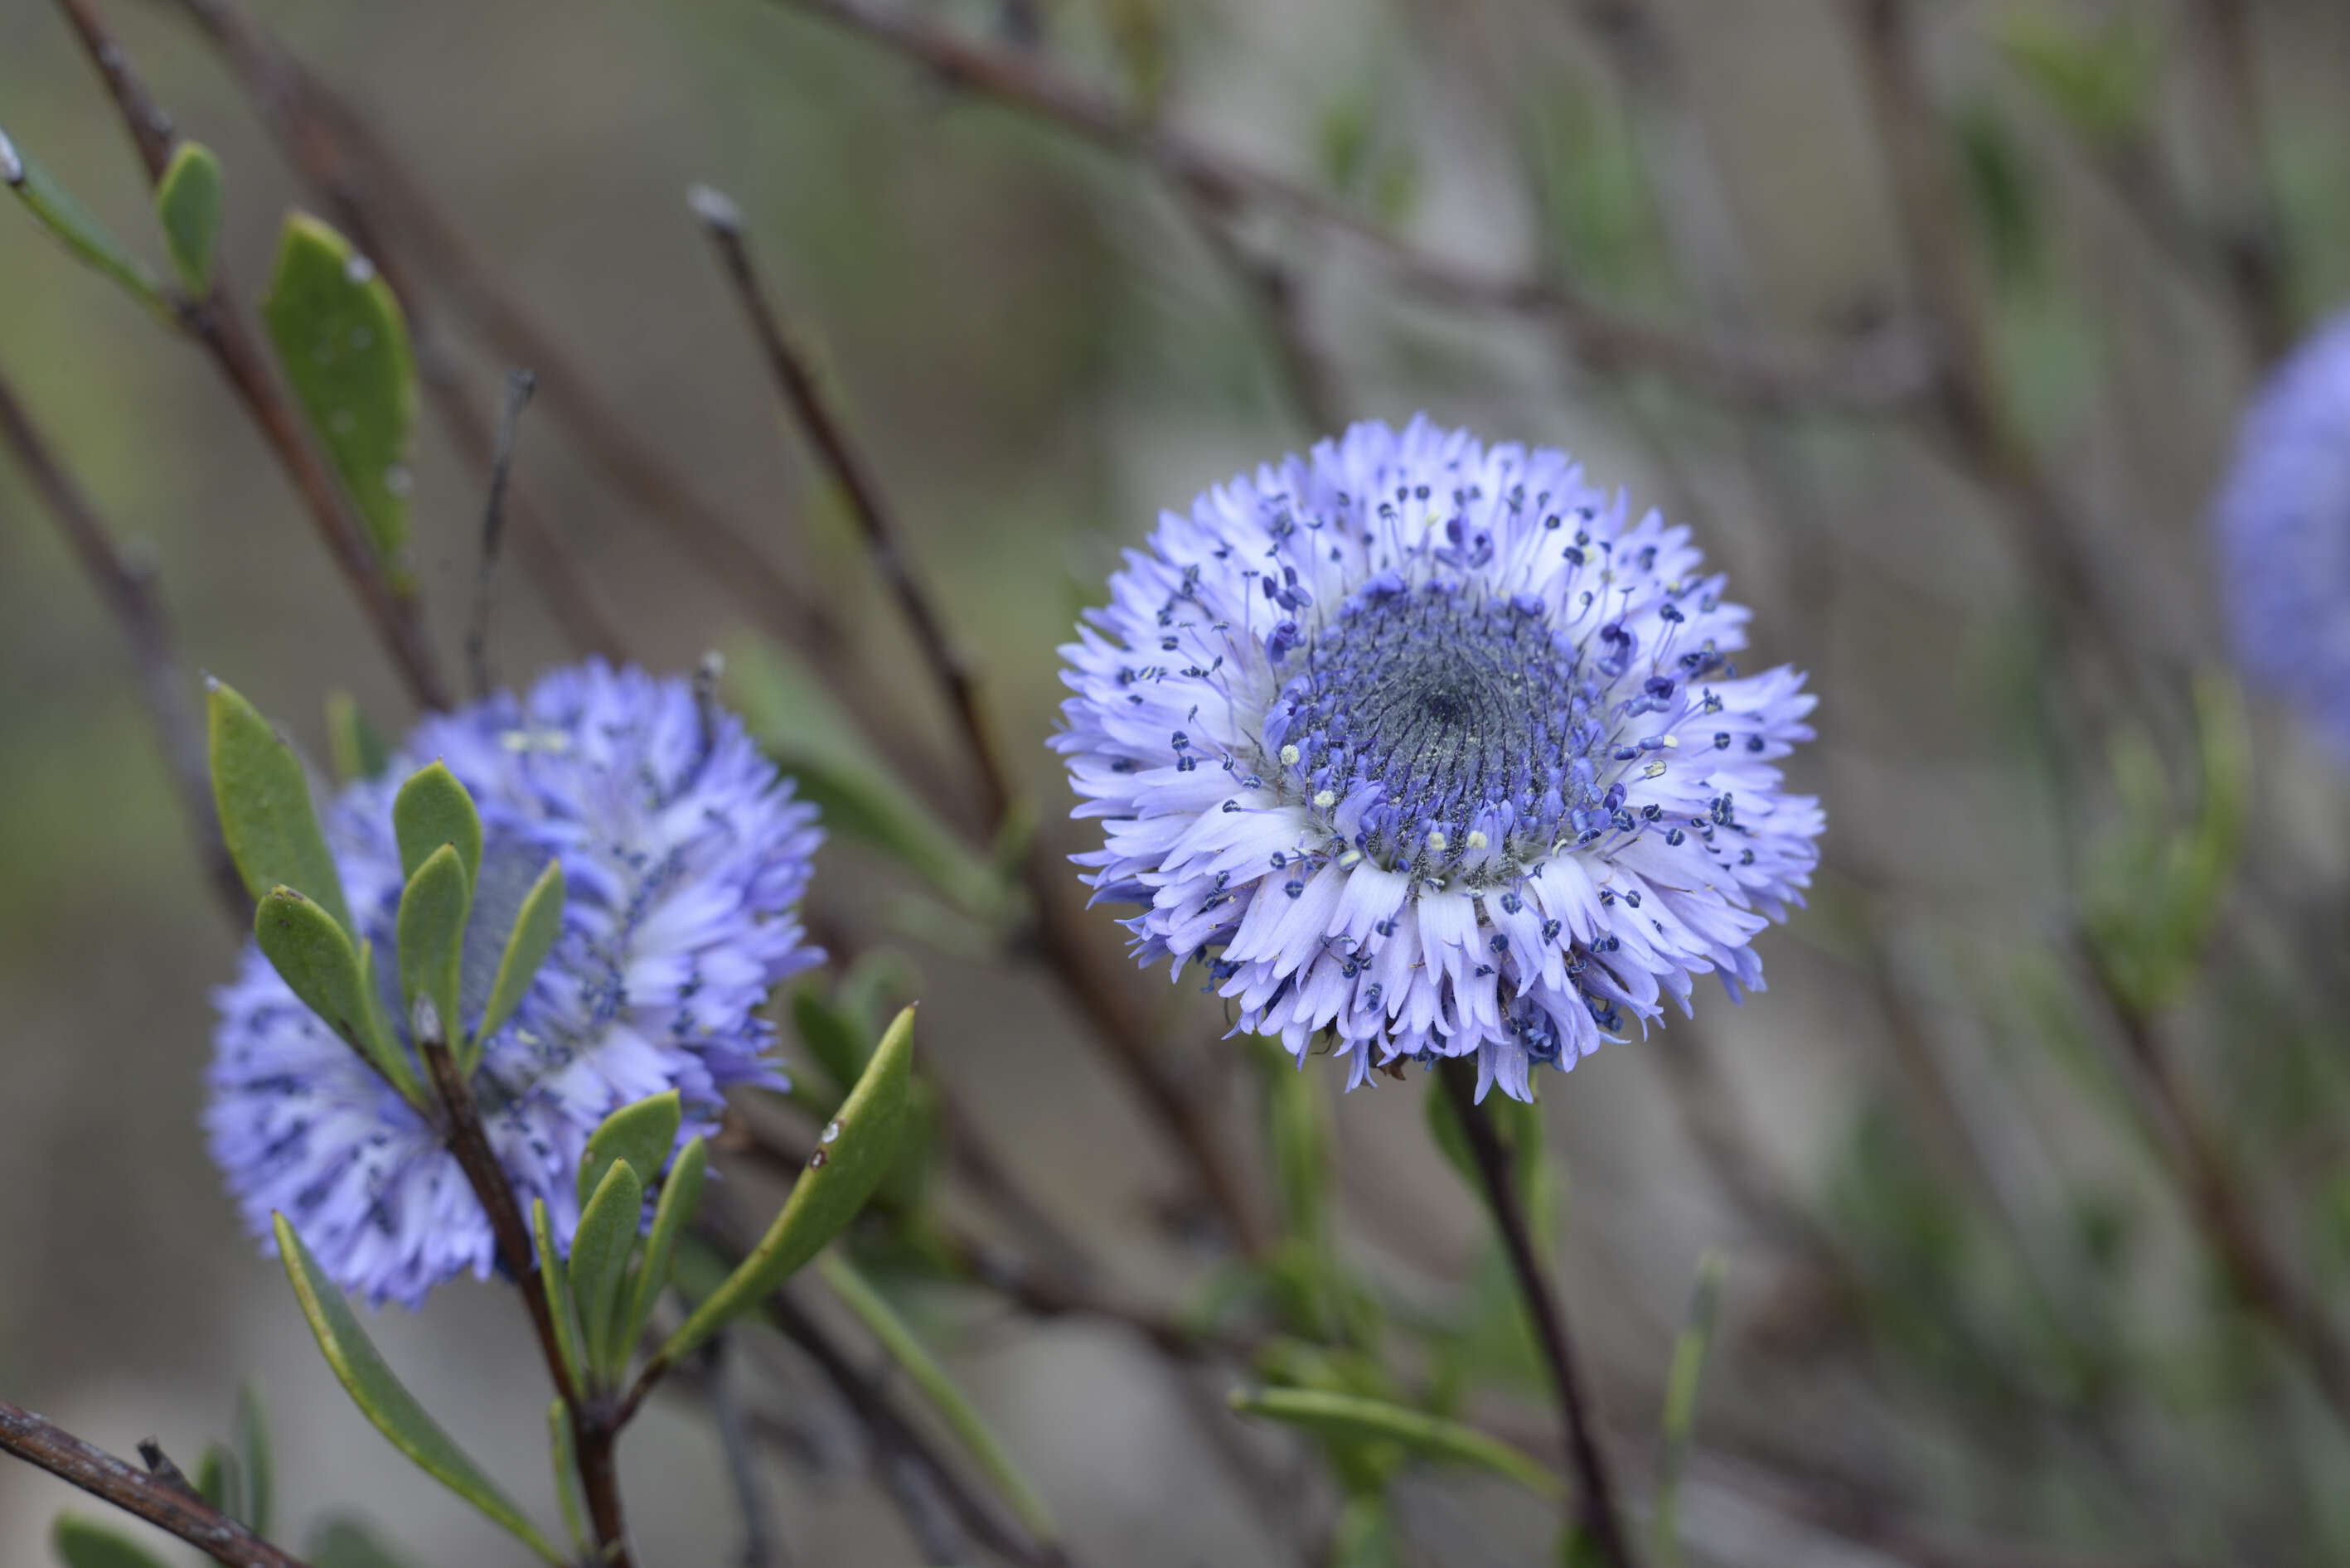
2284	526
1426	749
684	857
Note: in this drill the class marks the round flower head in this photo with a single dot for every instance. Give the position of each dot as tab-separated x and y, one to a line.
1423	749
2283	525
684	857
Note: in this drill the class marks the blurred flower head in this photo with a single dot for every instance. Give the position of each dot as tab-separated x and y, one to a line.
684	856
2283	526
1427	749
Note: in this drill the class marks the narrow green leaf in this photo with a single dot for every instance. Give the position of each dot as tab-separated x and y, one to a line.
641	1132
81	1541
344	345
799	725
964	1419
188	200
599	1265
432	809
219	1480
356	747
563	1446
1366	1534
1359	1419
262	795
1680	1404
314	958
347	1544
854	1151
260	1470
1297	1117
384	1400
55	210
553	1279
432	927
681	1195
536	926
2100	78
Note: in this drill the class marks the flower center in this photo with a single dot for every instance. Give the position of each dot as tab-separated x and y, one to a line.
1435	724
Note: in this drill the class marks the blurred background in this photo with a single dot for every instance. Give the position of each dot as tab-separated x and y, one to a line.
2028	1174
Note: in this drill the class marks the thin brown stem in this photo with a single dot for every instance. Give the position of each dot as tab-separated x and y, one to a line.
594	1424
354	172
2250	236
1118	1025
2217	1196
282	93
761	1548
1594	1507
1874	375
1183	1116
50	1447
1272	292
1970	421
520	384
129	593
215	323
821	419
898	1440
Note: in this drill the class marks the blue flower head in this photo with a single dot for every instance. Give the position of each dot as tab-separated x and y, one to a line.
1427	749
2284	526
684	856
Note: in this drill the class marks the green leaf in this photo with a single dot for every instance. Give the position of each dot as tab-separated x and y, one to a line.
260	1470
969	1428
792	715
1680	1404
356	748
81	1541
1297	1116
384	1400
559	1305
188	200
1353	1418
854	1151
219	1480
1366	1534
344	345
2003	186
536	926
432	809
314	958
608	1224
432	910
55	210
681	1195
2102	77
643	1134
563	1448
263	798
347	1544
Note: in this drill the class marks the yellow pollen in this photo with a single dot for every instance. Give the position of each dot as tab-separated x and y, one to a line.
1477	840
1437	840
1327	798
1289	756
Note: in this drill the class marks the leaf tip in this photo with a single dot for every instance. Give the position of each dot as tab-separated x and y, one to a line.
714	207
